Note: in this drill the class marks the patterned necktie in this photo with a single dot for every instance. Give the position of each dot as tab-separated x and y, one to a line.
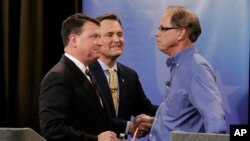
93	82
113	85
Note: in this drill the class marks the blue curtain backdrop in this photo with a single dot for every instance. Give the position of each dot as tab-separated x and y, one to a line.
225	42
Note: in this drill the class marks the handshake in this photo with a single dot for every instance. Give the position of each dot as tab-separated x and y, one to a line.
141	125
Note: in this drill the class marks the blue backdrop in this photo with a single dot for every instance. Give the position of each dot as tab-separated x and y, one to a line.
225	42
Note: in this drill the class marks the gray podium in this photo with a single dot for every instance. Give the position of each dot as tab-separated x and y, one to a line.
19	134
187	136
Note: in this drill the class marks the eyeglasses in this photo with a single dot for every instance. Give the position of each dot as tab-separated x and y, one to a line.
163	29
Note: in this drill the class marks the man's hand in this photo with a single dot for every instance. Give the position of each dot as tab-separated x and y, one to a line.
107	136
143	123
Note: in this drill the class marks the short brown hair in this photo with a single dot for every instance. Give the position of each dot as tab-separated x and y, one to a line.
109	16
73	24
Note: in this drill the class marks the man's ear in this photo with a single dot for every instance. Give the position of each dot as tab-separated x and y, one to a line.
73	40
182	34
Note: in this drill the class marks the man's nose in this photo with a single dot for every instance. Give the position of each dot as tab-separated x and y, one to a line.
116	37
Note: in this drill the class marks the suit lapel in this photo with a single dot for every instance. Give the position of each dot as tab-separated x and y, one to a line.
102	82
91	92
122	87
82	79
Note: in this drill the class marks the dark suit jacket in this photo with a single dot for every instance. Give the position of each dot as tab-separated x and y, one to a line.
69	109
132	100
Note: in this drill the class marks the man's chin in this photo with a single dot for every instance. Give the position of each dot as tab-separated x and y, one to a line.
117	53
116	56
96	57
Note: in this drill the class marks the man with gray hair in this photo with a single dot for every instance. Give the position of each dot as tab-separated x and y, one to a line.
192	102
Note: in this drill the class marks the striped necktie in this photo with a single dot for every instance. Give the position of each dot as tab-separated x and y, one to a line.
93	82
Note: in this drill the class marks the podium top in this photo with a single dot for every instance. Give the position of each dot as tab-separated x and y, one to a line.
189	136
19	134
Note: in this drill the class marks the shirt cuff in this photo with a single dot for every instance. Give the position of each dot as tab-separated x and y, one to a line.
127	127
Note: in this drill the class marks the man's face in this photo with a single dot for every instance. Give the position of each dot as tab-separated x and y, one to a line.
166	35
88	43
112	39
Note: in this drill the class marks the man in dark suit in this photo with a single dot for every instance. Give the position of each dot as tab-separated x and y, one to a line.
70	106
131	98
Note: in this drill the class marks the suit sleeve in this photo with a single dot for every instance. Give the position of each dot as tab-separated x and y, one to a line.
118	125
143	104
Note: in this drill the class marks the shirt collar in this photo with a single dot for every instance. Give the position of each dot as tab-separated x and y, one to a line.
78	63
106	67
181	56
